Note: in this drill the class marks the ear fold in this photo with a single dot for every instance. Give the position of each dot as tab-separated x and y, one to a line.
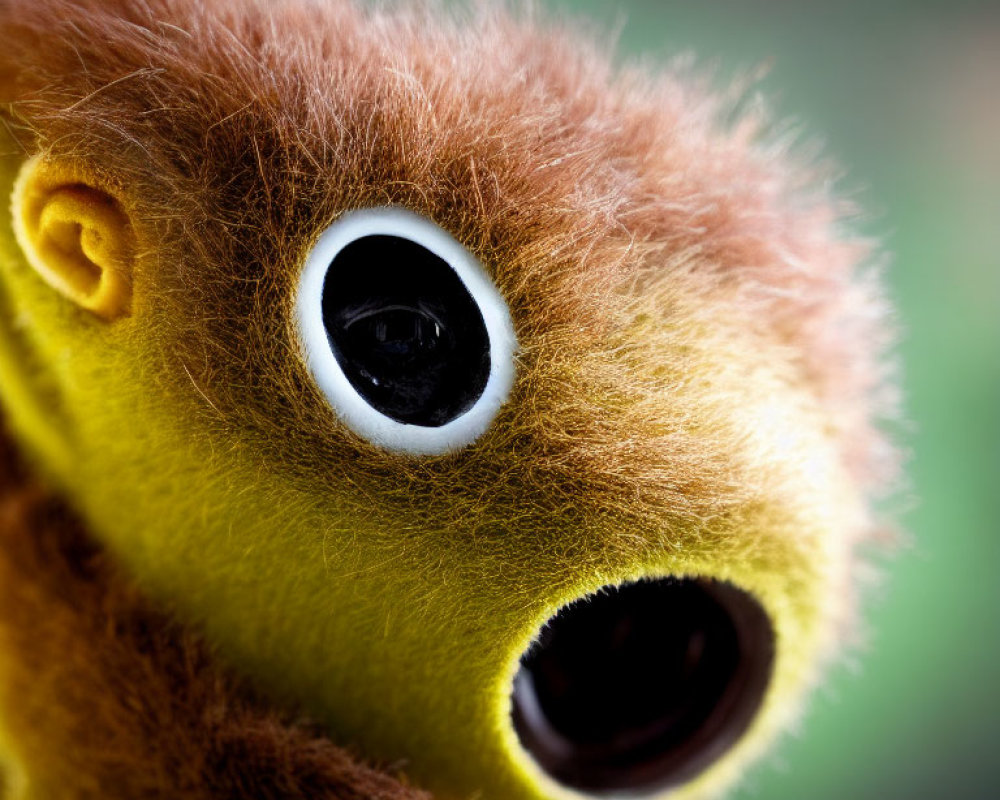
72	227
76	235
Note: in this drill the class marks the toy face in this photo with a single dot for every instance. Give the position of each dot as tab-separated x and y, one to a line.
445	405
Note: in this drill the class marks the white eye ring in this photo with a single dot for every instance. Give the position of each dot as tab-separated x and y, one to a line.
350	406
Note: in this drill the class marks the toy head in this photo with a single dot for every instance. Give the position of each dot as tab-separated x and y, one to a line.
506	415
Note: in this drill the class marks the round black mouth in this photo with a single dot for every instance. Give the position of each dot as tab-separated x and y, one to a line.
641	687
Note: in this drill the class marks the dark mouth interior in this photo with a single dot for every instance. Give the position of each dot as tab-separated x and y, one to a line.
641	687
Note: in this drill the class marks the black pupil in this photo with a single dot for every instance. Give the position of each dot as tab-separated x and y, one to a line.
405	330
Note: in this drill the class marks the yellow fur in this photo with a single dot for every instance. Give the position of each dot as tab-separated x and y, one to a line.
670	415
74	235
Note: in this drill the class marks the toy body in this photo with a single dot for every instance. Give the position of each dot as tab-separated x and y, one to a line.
646	376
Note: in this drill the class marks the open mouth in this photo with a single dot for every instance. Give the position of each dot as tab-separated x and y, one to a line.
640	687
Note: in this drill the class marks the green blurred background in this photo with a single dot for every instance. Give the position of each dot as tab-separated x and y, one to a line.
906	96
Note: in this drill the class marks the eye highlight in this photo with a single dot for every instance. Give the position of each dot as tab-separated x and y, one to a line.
404	332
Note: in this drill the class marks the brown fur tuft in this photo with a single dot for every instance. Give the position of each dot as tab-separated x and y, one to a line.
597	198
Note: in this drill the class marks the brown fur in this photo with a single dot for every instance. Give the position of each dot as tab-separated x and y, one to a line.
238	130
135	705
603	202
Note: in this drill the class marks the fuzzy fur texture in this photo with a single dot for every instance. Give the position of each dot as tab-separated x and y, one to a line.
89	670
700	372
536	155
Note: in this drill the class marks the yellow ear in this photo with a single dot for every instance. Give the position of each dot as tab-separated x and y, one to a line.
76	236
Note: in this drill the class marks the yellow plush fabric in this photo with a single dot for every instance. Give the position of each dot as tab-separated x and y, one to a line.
75	237
132	705
698	375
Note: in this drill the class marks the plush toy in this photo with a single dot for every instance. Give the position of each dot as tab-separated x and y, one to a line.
394	400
